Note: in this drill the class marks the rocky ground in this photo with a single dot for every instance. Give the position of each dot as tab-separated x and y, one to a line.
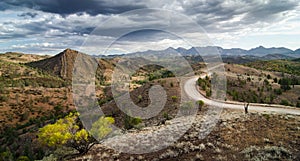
236	136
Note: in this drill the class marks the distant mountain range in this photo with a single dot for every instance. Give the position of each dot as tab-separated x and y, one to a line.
259	51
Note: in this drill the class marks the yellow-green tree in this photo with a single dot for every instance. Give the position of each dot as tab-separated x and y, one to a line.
69	132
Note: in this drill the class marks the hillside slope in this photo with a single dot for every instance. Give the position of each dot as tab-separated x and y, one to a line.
286	66
60	65
15	57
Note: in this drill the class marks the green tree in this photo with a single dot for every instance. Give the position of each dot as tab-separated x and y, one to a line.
68	132
285	84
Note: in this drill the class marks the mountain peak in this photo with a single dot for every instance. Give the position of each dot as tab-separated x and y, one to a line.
170	48
69	52
61	64
259	47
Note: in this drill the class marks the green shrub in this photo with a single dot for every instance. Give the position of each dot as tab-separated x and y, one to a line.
58	108
2	89
6	156
200	103
3	98
45	99
23	158
278	91
140	98
285	102
266	82
208	92
285	83
166	116
131	122
174	98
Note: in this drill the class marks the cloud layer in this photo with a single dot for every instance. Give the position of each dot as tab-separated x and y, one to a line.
49	26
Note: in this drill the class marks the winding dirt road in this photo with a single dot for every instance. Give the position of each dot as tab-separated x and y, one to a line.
191	90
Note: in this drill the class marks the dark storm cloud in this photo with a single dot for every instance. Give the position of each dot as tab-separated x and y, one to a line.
13	36
269	11
36	28
65	7
210	14
28	14
147	35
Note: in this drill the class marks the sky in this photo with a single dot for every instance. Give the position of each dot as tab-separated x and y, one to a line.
114	27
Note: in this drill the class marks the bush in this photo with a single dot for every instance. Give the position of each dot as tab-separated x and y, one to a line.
131	122
23	158
266	82
267	153
285	102
200	103
208	92
140	98
174	98
45	99
166	116
3	98
58	108
2	89
7	155
278	91
285	84
141	82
